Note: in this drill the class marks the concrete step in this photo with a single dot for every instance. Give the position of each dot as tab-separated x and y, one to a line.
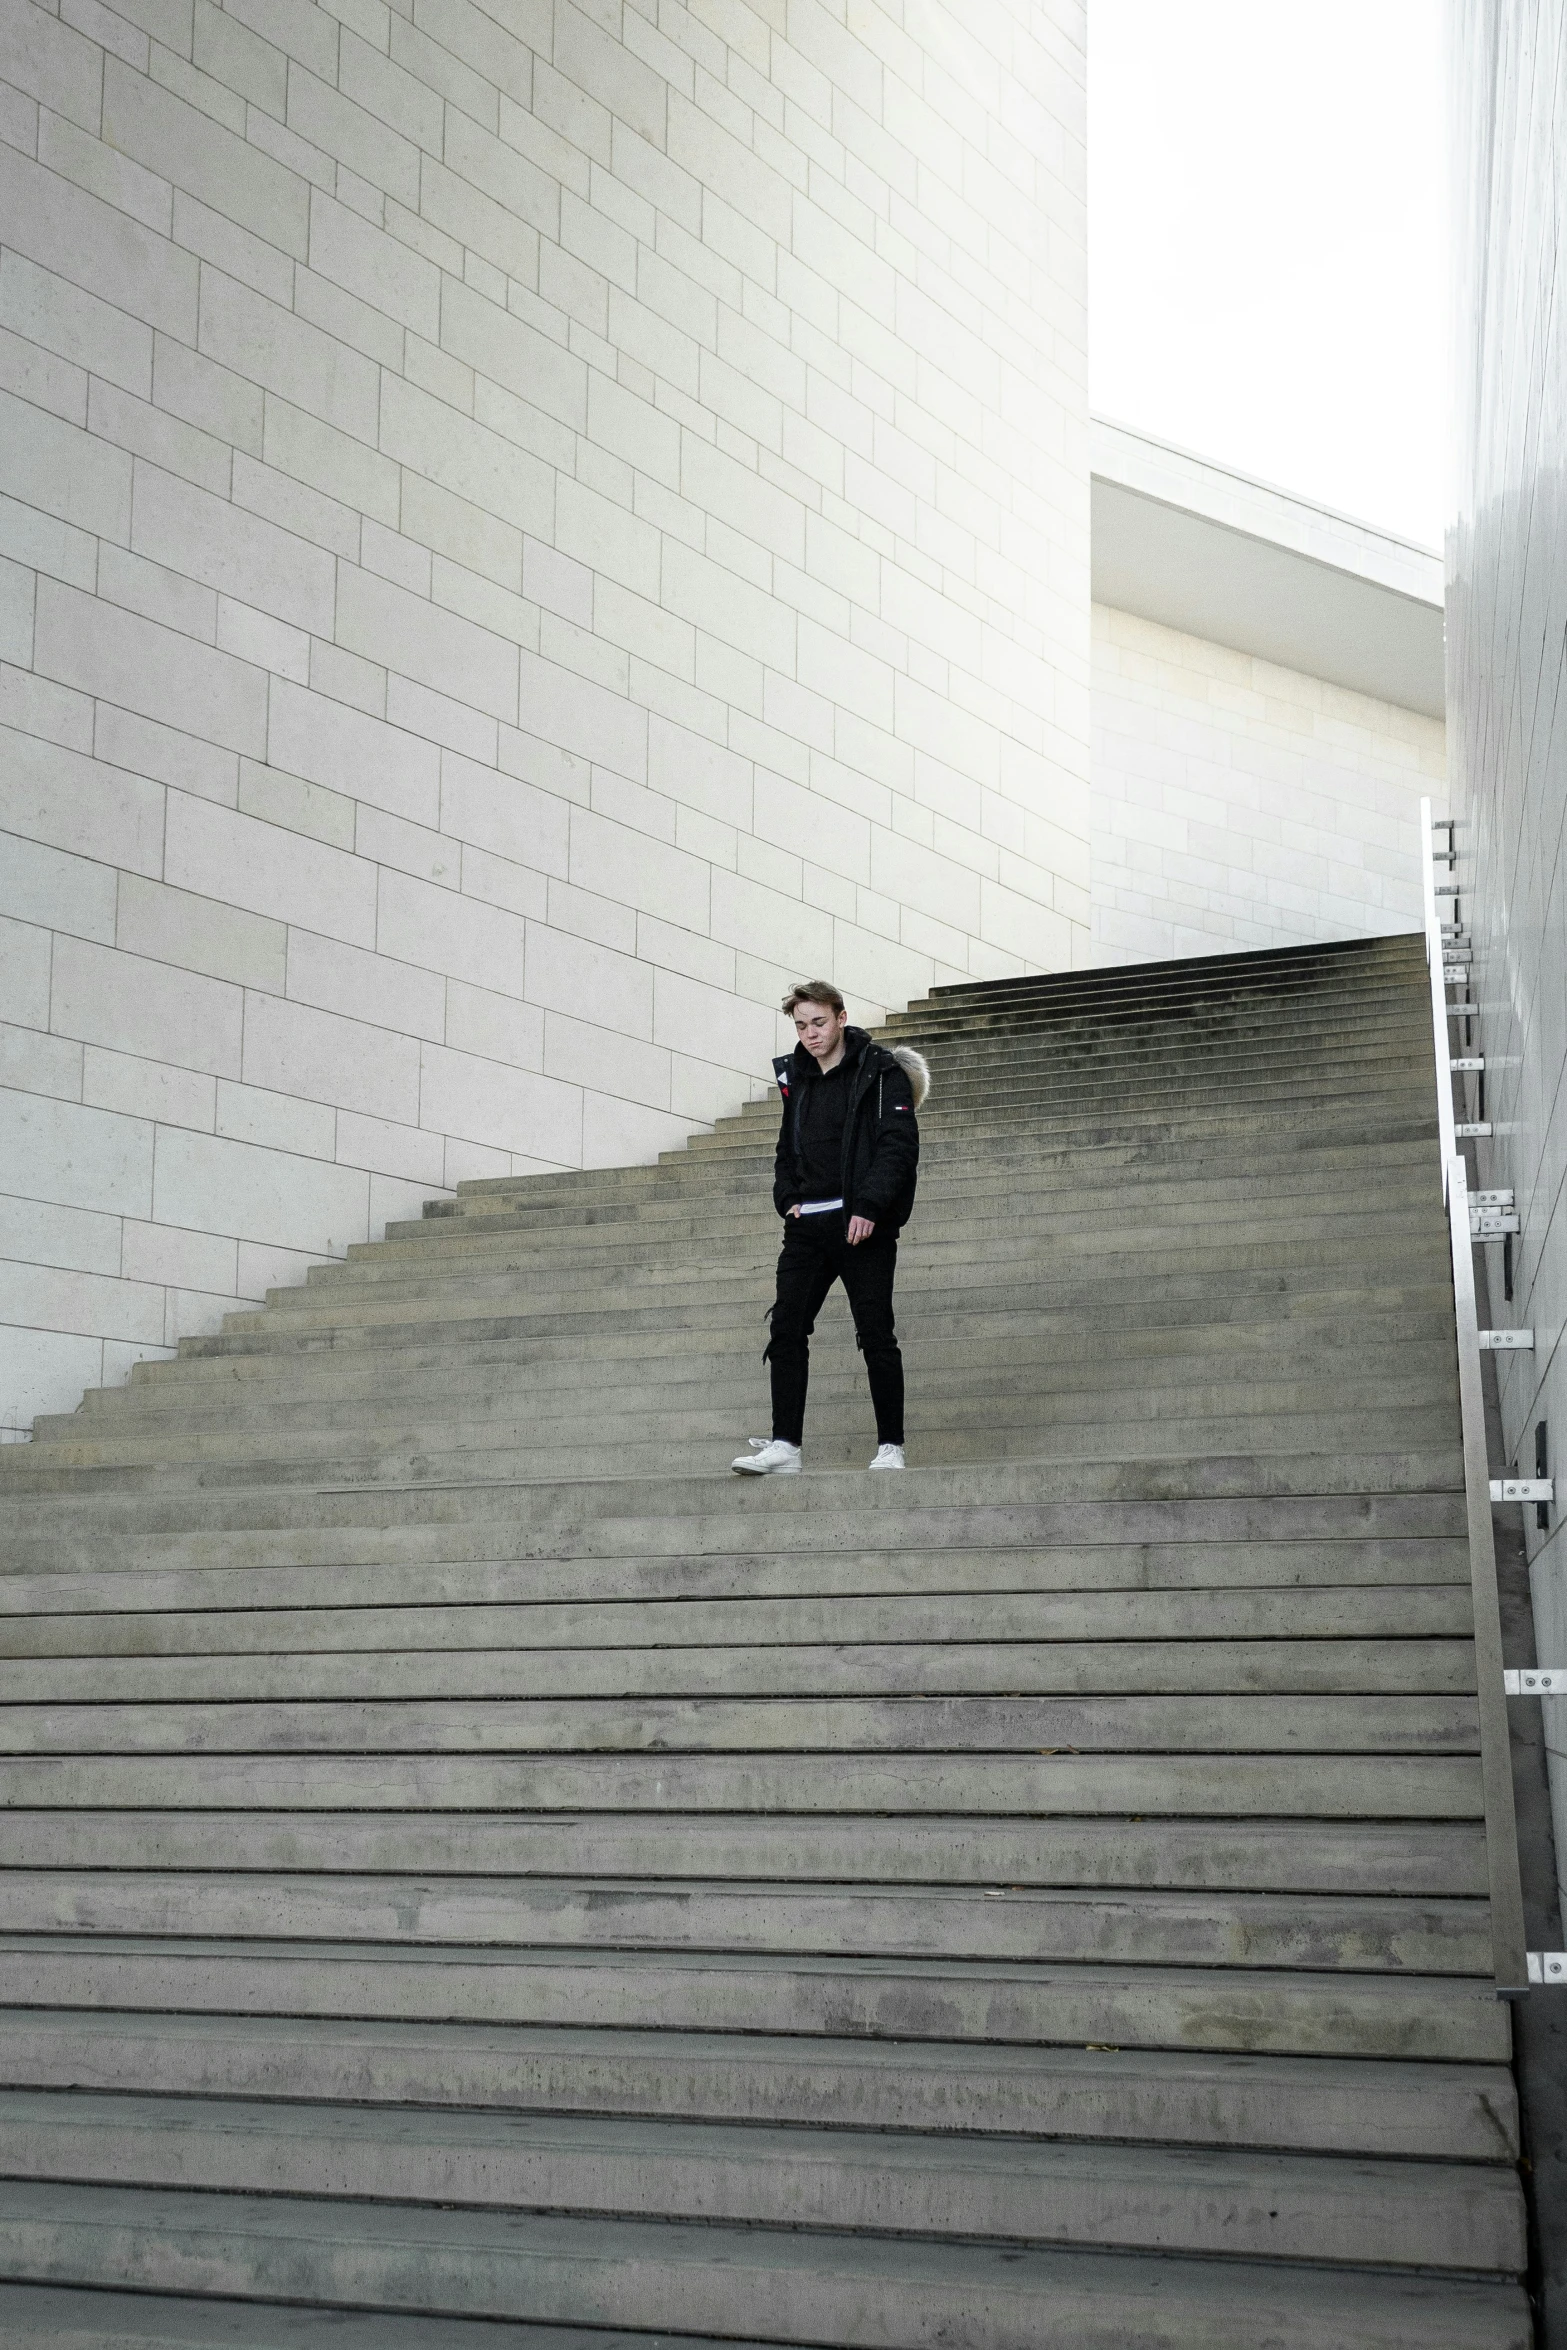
942	1210
1056	1050
745	1218
1313	1035
1152	1055
1320	1023
949	1173
951	1309
403	1456
1094	1261
1297	1341
1141	1037
1253	2204
1092	1632
739	1266
1286	977
1321	2105
1058	1281
938	1436
316	1669
1375	1005
1209	1138
1026	1219
1443	1859
1381	1017
1387	1309
1387	1086
1318	1932
183	1599
793	2286
1232	1081
1236	2009
1183	1456
66	2318
1370	1722
1097	1785
1071	1362
948	1163
1319	1013
1288	1279
623	1414
1328	1107
1292	973
687	1429
998	1504
1036	1162
1328	1112
1166	990
1174	1128
1262	1313
957	1381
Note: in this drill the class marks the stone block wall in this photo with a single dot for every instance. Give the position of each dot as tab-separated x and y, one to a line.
523	526
1240	804
1507	696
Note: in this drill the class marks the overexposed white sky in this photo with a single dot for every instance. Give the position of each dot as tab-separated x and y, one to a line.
1267	224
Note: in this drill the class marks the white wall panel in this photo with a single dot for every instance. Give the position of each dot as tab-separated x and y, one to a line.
520	532
1238	804
1507	695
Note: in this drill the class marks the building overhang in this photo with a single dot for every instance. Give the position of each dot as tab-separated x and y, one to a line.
1181	541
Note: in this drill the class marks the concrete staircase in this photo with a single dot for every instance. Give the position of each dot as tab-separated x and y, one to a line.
478	1876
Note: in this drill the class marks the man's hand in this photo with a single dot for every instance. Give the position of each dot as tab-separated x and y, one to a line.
860	1228
794	1211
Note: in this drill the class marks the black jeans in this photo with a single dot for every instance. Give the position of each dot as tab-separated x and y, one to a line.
815	1255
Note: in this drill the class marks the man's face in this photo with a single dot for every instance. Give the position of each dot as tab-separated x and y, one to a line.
820	1029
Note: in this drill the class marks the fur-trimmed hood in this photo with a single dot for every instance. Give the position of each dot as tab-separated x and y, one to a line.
857	1041
918	1069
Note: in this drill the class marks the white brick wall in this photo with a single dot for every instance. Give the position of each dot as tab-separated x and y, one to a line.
1238	804
1507	683
522	528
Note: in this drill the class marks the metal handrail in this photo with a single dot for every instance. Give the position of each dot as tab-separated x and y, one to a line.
1446	1134
1509	1945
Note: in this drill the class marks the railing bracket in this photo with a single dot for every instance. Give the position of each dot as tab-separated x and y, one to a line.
1513	1968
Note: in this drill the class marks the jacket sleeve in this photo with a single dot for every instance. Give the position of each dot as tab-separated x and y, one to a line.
897	1151
786	1180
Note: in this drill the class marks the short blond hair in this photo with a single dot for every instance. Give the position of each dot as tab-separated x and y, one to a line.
814	991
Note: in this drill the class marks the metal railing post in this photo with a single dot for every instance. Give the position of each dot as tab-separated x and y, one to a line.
1509	1946
1446	1137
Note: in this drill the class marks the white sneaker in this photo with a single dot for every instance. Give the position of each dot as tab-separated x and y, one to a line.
888	1456
768	1457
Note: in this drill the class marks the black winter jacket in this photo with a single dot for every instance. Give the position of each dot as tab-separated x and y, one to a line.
881	1136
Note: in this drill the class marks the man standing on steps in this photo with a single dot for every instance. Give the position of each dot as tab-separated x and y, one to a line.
843	1182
